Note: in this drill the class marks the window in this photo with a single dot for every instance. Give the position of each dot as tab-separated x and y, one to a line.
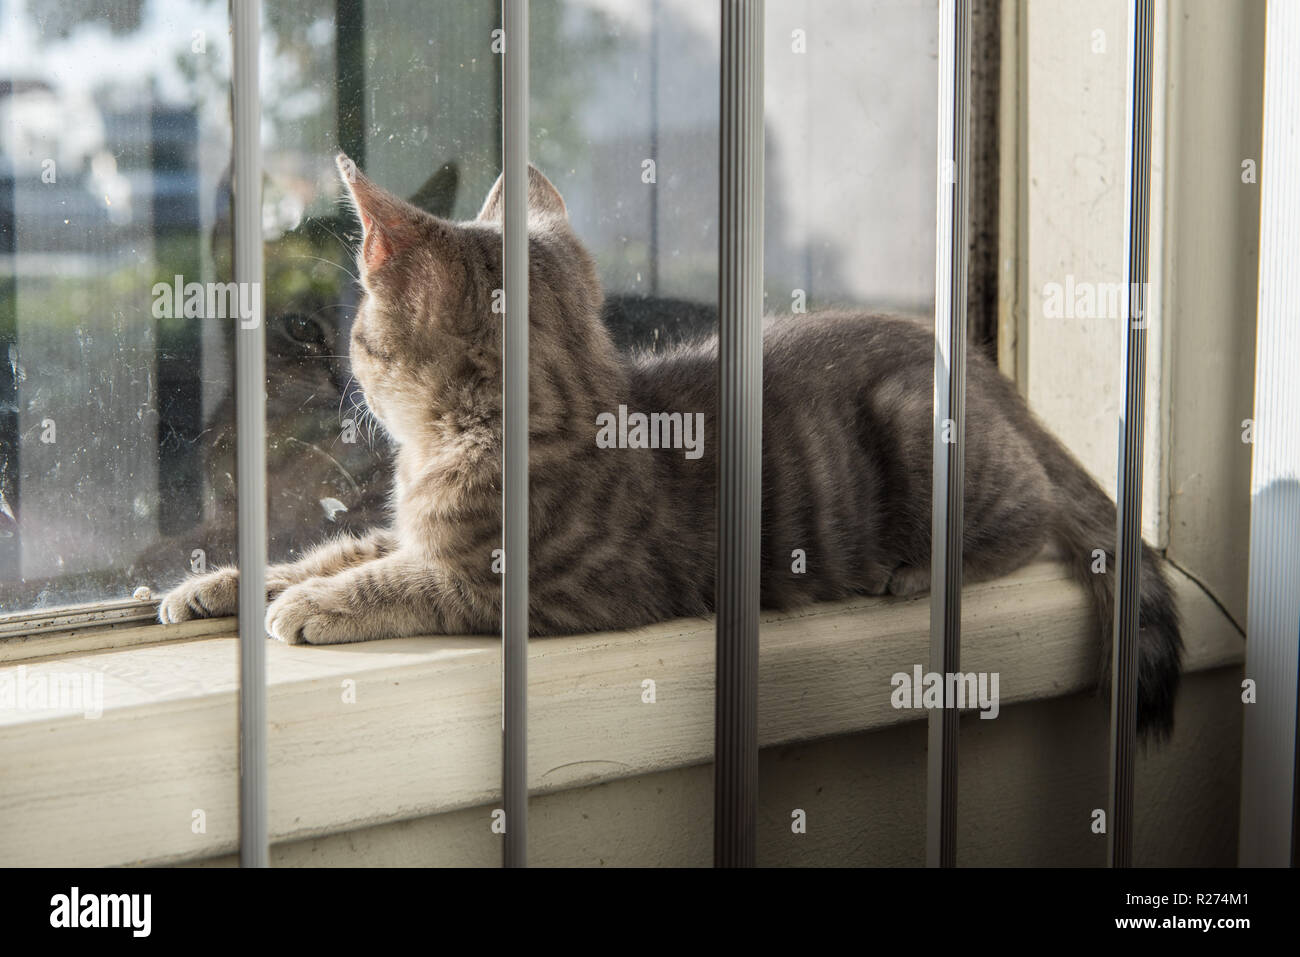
111	179
618	122
117	406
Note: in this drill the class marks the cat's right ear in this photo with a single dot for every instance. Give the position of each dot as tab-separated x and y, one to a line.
544	200
388	224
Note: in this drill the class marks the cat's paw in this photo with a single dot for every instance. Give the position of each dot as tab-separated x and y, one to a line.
313	612
214	595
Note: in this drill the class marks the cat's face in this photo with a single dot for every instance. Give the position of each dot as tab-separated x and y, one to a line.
427	339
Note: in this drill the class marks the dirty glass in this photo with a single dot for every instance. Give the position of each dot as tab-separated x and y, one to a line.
114	154
116	410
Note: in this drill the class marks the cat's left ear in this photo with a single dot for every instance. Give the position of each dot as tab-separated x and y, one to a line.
389	224
544	200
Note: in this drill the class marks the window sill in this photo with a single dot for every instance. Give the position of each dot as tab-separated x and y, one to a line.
83	629
423	736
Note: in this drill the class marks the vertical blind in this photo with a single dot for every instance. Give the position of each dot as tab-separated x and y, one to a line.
1128	541
250	418
514	612
740	434
1269	759
952	218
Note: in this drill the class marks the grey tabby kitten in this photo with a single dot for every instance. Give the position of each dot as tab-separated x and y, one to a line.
626	536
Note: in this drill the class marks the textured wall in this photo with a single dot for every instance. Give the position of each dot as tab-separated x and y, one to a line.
1216	85
1029	783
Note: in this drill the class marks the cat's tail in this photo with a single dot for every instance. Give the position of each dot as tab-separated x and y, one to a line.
1085	530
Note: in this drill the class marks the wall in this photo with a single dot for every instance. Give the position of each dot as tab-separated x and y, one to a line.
1216	80
1066	211
1072	187
1029	783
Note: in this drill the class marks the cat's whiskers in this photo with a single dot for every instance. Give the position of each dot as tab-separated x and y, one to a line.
339	266
344	394
333	305
342	242
364	414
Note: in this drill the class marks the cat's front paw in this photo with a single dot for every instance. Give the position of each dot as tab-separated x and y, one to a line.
214	595
313	612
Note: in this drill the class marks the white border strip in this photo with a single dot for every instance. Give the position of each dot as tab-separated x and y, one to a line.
1268	763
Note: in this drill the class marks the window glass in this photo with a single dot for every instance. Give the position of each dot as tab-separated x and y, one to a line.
114	146
850	89
117	465
626	122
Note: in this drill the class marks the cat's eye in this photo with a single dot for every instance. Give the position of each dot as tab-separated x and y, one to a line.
305	329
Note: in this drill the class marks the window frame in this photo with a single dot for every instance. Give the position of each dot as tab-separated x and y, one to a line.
105	624
84	626
113	624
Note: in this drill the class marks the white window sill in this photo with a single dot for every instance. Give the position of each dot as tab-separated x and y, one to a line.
424	735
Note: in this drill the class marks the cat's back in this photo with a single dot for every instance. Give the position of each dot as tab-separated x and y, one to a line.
803	352
864	342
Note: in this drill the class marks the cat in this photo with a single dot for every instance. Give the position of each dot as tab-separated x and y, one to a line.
324	475
622	537
326	470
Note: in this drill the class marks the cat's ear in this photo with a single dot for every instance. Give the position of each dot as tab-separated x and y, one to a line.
389	224
544	200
